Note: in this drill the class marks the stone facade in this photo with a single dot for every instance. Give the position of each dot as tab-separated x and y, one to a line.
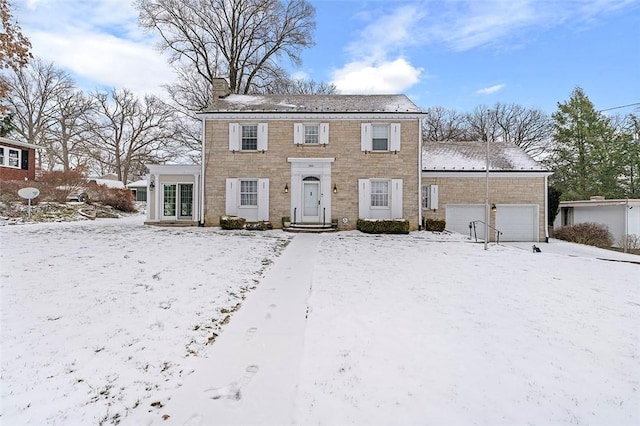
504	188
350	164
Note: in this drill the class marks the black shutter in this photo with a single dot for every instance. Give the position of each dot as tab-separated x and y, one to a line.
25	160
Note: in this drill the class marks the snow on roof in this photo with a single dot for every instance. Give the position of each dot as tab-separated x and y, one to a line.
471	156
314	103
138	183
109	183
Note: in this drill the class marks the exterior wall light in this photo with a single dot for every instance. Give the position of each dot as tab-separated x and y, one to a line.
286	188
152	184
335	188
493	208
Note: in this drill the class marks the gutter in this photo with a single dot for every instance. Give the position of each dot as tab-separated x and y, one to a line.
202	176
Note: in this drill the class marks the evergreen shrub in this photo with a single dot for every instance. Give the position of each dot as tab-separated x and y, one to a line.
395	226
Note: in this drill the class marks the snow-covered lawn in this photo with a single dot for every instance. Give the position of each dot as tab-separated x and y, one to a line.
99	318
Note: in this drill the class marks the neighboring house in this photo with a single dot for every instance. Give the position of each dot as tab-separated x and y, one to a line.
139	189
312	158
17	160
622	217
454	188
174	194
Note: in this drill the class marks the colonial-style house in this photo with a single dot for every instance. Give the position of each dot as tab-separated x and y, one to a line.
17	160
329	160
455	177
316	159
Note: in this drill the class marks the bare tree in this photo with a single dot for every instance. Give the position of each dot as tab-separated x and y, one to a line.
239	39
289	86
33	96
15	49
129	132
69	132
443	124
530	129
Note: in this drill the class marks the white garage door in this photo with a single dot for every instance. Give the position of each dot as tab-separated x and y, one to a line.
458	217
517	222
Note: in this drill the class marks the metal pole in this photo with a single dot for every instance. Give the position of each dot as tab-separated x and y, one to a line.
486	199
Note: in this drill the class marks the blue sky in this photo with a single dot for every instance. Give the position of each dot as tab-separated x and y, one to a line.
457	54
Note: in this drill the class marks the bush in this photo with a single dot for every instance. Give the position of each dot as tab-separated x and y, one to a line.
436	225
397	226
9	192
258	226
592	234
118	198
630	242
232	222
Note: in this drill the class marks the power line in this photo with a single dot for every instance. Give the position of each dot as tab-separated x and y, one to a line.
621	106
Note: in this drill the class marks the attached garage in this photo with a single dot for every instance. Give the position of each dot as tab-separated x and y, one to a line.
458	217
518	222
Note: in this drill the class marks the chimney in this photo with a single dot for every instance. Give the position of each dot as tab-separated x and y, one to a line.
220	88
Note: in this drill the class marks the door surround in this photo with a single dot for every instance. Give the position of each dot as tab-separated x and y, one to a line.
313	168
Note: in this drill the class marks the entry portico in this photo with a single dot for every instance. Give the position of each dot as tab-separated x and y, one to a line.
311	190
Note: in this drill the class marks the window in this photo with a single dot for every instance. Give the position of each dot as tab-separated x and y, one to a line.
311	133
1	156
248	193
380	137
249	137
380	193
425	197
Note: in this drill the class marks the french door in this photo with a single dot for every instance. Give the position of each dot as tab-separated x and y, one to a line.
177	201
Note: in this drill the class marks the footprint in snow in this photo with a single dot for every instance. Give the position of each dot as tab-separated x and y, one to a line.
233	390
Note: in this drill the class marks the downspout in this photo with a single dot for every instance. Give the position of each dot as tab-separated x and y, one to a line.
202	175
546	208
420	174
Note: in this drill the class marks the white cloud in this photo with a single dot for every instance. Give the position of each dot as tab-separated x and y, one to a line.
105	60
385	77
98	42
491	89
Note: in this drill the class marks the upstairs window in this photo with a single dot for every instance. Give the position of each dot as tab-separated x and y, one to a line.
1	156
249	137
380	137
311	134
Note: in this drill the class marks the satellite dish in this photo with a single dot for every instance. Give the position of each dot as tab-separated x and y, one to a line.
29	193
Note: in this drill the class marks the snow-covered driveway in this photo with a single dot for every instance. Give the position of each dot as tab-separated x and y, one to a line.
418	329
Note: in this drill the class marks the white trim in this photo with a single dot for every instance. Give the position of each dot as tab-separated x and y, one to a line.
19	143
495	174
317	116
311	160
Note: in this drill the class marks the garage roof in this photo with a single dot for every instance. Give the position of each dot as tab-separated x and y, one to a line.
471	156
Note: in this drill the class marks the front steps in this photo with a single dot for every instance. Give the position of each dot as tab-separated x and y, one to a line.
310	228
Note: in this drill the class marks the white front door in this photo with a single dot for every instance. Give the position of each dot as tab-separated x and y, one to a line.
311	201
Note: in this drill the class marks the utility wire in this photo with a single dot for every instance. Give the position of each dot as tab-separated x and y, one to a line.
618	107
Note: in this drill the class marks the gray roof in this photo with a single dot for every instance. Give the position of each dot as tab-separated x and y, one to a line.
471	156
314	103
